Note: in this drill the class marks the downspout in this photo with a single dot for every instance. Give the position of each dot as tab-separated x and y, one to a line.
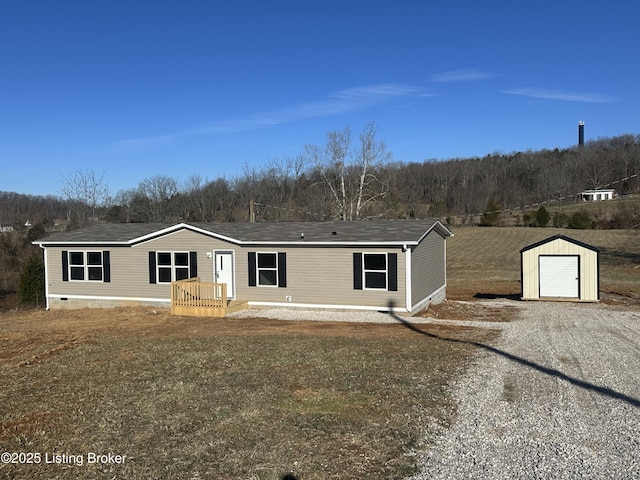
46	279
407	282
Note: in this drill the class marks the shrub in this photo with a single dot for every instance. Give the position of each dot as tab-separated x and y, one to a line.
31	289
560	220
580	220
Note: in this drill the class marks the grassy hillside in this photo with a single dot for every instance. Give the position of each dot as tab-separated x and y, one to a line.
619	213
487	260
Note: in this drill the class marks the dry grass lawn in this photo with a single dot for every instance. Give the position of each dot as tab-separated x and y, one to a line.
221	398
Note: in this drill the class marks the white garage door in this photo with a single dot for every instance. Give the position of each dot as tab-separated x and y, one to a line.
559	276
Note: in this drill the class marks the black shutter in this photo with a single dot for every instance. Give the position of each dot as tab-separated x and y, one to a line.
152	267
106	266
193	264
282	269
392	272
252	269
357	271
65	266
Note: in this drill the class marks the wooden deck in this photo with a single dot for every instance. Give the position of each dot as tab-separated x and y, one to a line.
199	299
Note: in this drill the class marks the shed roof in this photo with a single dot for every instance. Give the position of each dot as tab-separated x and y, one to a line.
559	237
392	232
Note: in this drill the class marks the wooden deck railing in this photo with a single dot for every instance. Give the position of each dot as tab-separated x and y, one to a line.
193	297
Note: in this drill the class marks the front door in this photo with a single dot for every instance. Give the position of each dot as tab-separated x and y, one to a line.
223	271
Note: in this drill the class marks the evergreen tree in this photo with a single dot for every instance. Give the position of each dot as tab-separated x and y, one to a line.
492	214
543	217
31	289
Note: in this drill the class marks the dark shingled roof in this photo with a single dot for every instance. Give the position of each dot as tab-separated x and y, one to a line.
371	232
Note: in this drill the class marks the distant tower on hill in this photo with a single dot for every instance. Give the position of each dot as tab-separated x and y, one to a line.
580	133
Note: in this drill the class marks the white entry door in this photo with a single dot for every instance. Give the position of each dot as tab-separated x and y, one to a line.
223	271
559	276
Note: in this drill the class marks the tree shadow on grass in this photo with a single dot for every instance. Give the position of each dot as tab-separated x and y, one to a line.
608	392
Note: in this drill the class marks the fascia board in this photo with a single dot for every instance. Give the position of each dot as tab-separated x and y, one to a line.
439	227
177	228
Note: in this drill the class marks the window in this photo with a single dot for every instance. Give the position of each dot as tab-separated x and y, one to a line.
172	266
94	266
375	270
85	266
76	266
181	264
267	270
164	267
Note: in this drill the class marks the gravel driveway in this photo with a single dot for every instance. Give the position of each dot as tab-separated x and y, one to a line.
557	396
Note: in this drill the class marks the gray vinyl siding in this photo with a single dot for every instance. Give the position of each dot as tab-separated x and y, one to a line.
130	267
319	276
428	272
315	275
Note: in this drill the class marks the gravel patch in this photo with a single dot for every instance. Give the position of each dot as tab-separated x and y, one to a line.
353	316
557	396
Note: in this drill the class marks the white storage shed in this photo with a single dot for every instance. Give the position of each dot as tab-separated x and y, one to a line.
560	268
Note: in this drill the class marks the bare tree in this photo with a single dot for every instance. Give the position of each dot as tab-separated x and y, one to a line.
158	192
278	185
372	155
88	191
352	177
198	201
332	163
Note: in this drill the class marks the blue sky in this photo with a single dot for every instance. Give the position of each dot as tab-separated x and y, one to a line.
136	89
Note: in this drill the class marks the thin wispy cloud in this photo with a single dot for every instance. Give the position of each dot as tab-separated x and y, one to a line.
464	75
316	58
562	96
335	103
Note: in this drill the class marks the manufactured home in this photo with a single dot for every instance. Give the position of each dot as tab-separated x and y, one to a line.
368	265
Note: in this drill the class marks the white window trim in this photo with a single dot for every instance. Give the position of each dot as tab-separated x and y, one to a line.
85	265
269	269
172	253
386	272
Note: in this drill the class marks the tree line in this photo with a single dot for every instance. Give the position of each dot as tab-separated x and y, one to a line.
346	178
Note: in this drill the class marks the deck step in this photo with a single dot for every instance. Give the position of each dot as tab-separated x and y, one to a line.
237	305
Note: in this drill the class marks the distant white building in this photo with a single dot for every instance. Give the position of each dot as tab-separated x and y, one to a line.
6	228
598	195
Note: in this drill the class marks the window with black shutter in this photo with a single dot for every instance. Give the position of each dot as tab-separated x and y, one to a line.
267	269
86	266
375	271
167	267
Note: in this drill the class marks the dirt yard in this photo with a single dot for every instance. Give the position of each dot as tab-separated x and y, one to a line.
221	398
